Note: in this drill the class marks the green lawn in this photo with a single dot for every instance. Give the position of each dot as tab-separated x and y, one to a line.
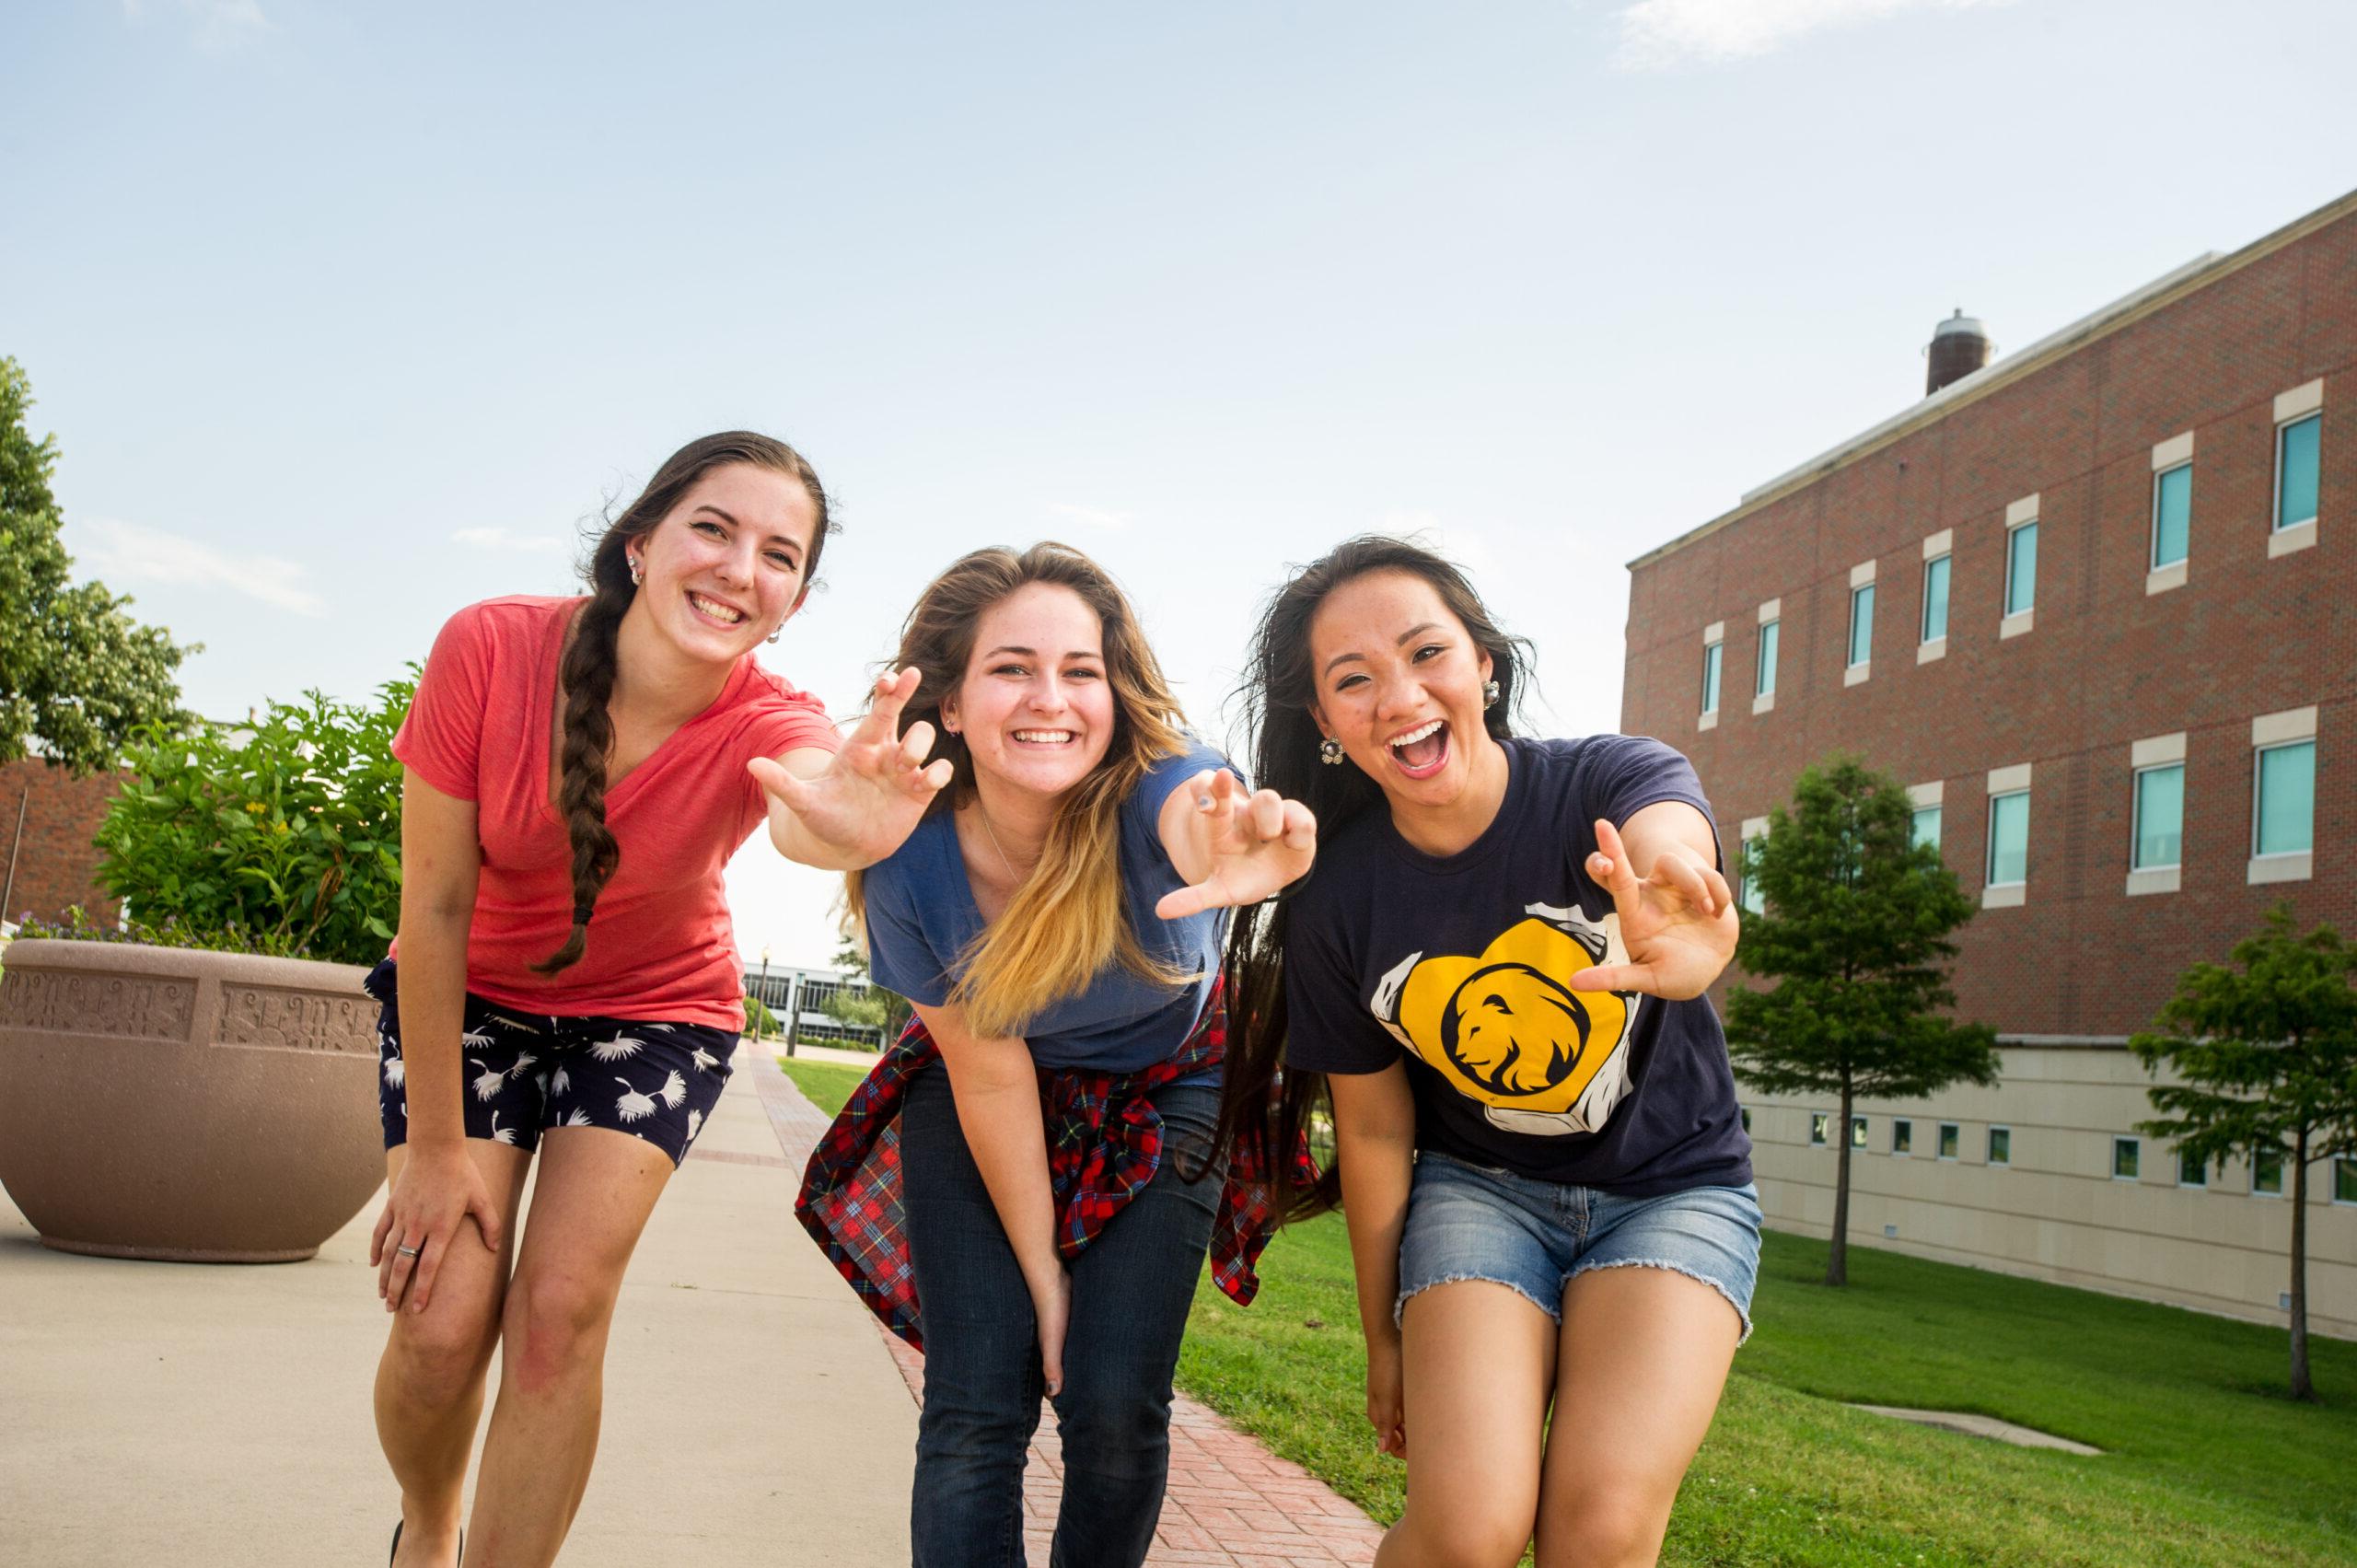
826	1085
2205	1462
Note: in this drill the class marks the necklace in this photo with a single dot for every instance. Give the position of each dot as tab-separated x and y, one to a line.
1012	880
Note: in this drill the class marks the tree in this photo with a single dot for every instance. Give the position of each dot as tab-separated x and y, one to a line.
871	1007
1855	934
2268	1055
77	675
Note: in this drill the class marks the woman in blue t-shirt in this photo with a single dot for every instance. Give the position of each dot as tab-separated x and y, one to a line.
1497	970
1056	917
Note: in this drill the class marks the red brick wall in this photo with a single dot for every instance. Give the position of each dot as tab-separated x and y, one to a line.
2103	666
56	863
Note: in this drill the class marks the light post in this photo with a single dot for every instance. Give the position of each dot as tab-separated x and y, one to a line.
762	1030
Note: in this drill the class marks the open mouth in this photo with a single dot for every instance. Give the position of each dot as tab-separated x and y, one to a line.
1422	751
1045	739
711	609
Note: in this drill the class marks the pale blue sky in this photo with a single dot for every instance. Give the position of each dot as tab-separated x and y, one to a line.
346	315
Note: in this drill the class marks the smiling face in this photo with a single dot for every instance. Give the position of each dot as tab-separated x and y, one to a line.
725	568
1035	708
1400	684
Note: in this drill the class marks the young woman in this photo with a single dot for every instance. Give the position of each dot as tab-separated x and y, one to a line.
1497	968
565	978
1026	1186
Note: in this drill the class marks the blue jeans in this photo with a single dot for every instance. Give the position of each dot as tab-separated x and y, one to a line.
1130	1290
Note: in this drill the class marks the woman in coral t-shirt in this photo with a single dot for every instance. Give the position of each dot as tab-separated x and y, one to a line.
578	773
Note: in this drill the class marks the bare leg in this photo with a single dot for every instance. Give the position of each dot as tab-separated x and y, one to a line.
429	1383
596	1190
1477	1360
1644	1353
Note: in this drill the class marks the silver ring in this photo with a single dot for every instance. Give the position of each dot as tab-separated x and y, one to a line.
406	1251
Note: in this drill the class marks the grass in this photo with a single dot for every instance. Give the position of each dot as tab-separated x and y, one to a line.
826	1085
2205	1461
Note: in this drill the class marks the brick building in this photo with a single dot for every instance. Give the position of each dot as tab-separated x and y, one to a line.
47	818
2092	602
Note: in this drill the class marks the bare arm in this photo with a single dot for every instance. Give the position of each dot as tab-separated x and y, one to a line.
1678	919
439	1186
846	809
791	836
1374	1141
997	1094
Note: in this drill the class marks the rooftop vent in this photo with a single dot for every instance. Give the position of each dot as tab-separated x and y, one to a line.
1959	346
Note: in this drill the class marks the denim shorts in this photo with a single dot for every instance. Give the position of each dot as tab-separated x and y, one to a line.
1473	1222
528	1072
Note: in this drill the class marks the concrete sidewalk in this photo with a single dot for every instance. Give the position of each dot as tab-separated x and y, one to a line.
205	1415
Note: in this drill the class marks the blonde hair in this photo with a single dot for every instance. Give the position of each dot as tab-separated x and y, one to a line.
1070	919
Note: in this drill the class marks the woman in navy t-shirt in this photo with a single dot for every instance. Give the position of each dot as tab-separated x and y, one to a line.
1036	1215
1497	970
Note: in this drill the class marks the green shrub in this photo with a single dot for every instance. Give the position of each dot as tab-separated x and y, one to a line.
279	835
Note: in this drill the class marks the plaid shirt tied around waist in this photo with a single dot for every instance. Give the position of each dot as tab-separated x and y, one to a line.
1105	1144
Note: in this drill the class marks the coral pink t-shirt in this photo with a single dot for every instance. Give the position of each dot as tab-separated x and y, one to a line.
660	943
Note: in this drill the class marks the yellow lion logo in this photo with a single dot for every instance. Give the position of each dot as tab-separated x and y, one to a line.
1505	1028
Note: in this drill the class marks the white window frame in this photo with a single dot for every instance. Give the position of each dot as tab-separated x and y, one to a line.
2143	757
1949	1133
1714	672
1771	619
2290	408
2160	576
1907	1125
1989	1148
2338	1161
2258	1192
1940	546
2201	1179
1861	576
1861	1135
2135	1147
2004	785
2274	732
2022	514
1754	829
1820	1129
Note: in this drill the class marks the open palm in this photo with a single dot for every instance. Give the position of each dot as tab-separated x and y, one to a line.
872	792
1678	923
1244	846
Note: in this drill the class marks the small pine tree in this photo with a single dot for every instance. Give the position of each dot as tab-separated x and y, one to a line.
2269	1054
1855	932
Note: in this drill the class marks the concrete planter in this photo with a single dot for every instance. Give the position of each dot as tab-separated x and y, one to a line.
203	1108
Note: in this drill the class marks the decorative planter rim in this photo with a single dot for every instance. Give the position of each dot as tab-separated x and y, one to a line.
133	958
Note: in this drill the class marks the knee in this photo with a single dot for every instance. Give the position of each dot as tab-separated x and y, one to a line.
1111	1428
1462	1537
1605	1527
437	1356
554	1328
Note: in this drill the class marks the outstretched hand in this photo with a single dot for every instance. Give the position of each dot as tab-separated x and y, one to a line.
1235	848
870	796
1677	925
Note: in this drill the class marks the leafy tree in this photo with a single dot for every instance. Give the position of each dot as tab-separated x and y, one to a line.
2268	1055
1855	934
759	1022
872	1008
286	830
77	675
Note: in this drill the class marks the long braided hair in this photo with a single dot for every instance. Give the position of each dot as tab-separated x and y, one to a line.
1265	1105
585	674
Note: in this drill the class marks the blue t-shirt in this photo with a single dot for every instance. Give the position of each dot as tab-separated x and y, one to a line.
920	917
1458	963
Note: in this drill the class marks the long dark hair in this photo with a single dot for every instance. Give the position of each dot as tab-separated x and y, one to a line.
586	675
1264	1106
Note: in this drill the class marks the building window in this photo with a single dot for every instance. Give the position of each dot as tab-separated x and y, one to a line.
1936	599
2344	1180
2021	568
1711	676
2266	1173
2160	817
1927	826
1748	896
2124	1153
1763	680
2172	515
1857	1133
2191	1171
1902	1136
2296	449
2008	838
2001	1145
1950	1138
2283	814
1819	1129
1861	624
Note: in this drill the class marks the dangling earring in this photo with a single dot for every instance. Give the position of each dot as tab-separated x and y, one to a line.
1489	693
637	572
778	632
1329	751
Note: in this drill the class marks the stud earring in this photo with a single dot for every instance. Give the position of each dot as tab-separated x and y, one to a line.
1489	693
1329	751
637	572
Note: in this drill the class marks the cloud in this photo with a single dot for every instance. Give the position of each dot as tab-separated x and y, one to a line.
1093	516
219	24
501	539
121	552
1656	34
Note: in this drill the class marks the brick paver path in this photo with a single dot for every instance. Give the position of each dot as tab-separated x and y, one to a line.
1231	1504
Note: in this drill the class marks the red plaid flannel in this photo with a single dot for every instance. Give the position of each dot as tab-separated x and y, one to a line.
1104	1145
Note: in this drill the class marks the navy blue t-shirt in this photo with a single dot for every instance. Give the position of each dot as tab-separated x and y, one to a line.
921	917
1459	963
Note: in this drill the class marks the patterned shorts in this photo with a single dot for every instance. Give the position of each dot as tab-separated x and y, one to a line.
531	1071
